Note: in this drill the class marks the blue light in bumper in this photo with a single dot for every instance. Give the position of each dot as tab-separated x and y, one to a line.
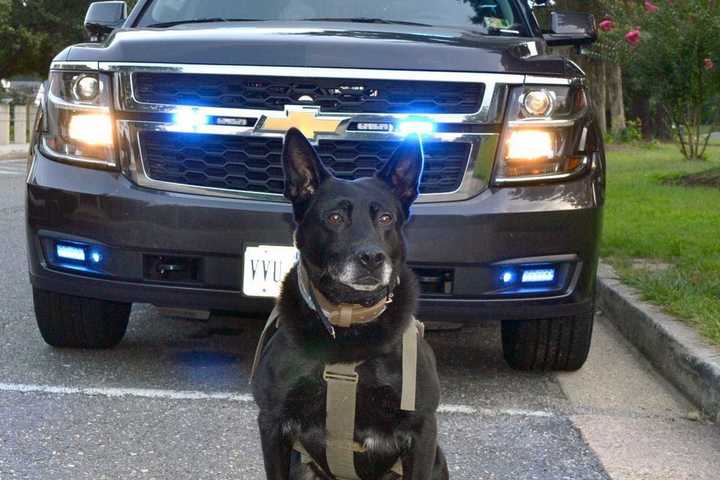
67	251
82	257
544	275
507	277
524	277
419	126
96	257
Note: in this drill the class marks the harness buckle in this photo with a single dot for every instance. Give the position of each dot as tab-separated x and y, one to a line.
342	377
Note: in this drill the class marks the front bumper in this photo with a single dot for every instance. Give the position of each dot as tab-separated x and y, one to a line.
465	239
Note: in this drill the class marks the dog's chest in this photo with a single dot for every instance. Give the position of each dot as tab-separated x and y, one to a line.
379	422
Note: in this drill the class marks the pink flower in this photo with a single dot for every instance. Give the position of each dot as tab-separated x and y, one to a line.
709	64
607	25
633	36
650	7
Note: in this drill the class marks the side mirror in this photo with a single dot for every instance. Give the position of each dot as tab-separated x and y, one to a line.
571	28
104	17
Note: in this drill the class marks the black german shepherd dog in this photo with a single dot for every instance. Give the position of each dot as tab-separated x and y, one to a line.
350	238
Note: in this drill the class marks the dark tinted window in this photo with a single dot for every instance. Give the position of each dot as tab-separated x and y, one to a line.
480	14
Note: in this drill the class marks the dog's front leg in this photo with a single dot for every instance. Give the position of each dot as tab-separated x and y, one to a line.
419	460
276	449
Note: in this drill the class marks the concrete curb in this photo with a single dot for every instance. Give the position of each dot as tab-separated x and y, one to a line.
685	358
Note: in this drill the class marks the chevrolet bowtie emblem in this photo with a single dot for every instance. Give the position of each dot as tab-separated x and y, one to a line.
305	120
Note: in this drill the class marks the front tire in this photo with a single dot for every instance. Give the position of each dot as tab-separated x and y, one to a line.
67	321
548	344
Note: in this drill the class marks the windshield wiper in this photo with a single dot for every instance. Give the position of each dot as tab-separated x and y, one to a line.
367	20
201	20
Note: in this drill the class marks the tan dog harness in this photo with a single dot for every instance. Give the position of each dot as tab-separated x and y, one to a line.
342	379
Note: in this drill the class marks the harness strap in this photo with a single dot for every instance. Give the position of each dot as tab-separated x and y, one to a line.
342	381
341	404
272	321
409	366
341	400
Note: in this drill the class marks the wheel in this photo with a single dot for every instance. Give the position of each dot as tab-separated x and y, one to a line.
67	321
548	344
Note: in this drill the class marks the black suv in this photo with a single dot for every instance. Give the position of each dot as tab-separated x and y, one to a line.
156	177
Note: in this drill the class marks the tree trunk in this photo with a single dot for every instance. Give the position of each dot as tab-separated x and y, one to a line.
615	98
597	84
661	126
640	109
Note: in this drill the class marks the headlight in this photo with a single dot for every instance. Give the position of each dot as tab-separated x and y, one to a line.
79	121
93	129
538	103
530	145
541	139
85	88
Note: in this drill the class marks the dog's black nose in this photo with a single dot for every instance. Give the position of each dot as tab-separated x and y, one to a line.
371	259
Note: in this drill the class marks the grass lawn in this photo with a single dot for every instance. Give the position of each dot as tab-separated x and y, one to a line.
665	239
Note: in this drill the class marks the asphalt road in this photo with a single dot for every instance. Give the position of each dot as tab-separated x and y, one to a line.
172	401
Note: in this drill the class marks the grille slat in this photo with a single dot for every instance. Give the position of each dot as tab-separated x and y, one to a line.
332	95
254	163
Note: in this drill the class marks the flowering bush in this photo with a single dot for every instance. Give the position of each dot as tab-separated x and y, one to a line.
671	48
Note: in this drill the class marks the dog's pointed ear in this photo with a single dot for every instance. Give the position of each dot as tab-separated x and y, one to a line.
403	171
304	172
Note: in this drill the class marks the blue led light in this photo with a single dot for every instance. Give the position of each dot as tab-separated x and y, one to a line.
189	119
416	125
95	257
70	252
507	277
543	275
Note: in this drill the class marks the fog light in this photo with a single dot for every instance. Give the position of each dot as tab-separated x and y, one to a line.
544	275
95	257
530	145
91	129
507	277
70	252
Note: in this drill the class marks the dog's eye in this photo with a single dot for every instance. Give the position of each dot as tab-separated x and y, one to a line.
335	219
385	219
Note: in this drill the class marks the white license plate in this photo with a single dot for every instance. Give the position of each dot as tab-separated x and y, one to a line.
265	268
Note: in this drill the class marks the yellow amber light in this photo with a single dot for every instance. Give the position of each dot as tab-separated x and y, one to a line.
91	129
530	145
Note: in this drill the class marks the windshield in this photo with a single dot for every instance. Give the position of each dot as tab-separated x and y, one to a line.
494	16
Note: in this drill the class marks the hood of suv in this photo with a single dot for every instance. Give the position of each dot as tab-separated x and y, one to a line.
326	44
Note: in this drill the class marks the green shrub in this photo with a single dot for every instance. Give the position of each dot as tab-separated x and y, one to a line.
632	133
672	48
